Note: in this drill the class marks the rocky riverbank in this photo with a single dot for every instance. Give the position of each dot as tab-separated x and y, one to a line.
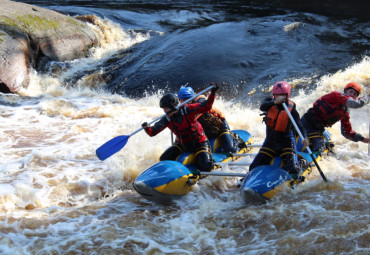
30	34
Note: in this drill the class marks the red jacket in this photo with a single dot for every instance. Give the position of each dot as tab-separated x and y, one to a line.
184	123
331	108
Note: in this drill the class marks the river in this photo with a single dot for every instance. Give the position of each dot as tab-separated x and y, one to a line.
57	197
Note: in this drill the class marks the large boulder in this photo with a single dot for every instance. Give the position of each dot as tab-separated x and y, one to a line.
29	33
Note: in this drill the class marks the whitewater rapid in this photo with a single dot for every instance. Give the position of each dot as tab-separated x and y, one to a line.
56	196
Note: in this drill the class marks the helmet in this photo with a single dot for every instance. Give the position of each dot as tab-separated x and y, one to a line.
353	85
185	93
281	87
169	100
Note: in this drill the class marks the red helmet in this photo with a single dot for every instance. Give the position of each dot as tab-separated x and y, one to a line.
281	87
353	85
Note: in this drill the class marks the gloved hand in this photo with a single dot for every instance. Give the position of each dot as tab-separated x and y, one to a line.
366	99
280	100
215	87
145	125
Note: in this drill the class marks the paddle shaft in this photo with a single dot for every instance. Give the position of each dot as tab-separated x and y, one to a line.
302	138
117	143
177	107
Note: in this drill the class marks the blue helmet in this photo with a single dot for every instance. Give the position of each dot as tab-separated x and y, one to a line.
185	93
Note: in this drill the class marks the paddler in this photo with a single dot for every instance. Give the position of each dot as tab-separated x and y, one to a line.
328	110
190	136
213	122
279	139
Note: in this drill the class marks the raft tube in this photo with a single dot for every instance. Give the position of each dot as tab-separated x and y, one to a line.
169	180
264	182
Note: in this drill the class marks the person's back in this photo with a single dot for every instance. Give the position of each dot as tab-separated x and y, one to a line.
328	110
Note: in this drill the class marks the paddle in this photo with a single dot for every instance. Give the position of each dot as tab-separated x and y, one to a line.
308	148
117	143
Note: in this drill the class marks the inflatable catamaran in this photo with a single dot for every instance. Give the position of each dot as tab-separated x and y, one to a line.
169	180
166	181
264	182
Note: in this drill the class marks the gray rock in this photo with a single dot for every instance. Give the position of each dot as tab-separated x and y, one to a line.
29	33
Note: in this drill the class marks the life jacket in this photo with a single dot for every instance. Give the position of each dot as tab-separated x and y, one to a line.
330	108
187	131
211	121
278	119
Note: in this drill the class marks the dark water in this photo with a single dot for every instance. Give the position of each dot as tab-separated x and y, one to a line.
239	44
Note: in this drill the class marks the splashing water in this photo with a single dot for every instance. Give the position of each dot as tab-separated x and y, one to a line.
57	197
